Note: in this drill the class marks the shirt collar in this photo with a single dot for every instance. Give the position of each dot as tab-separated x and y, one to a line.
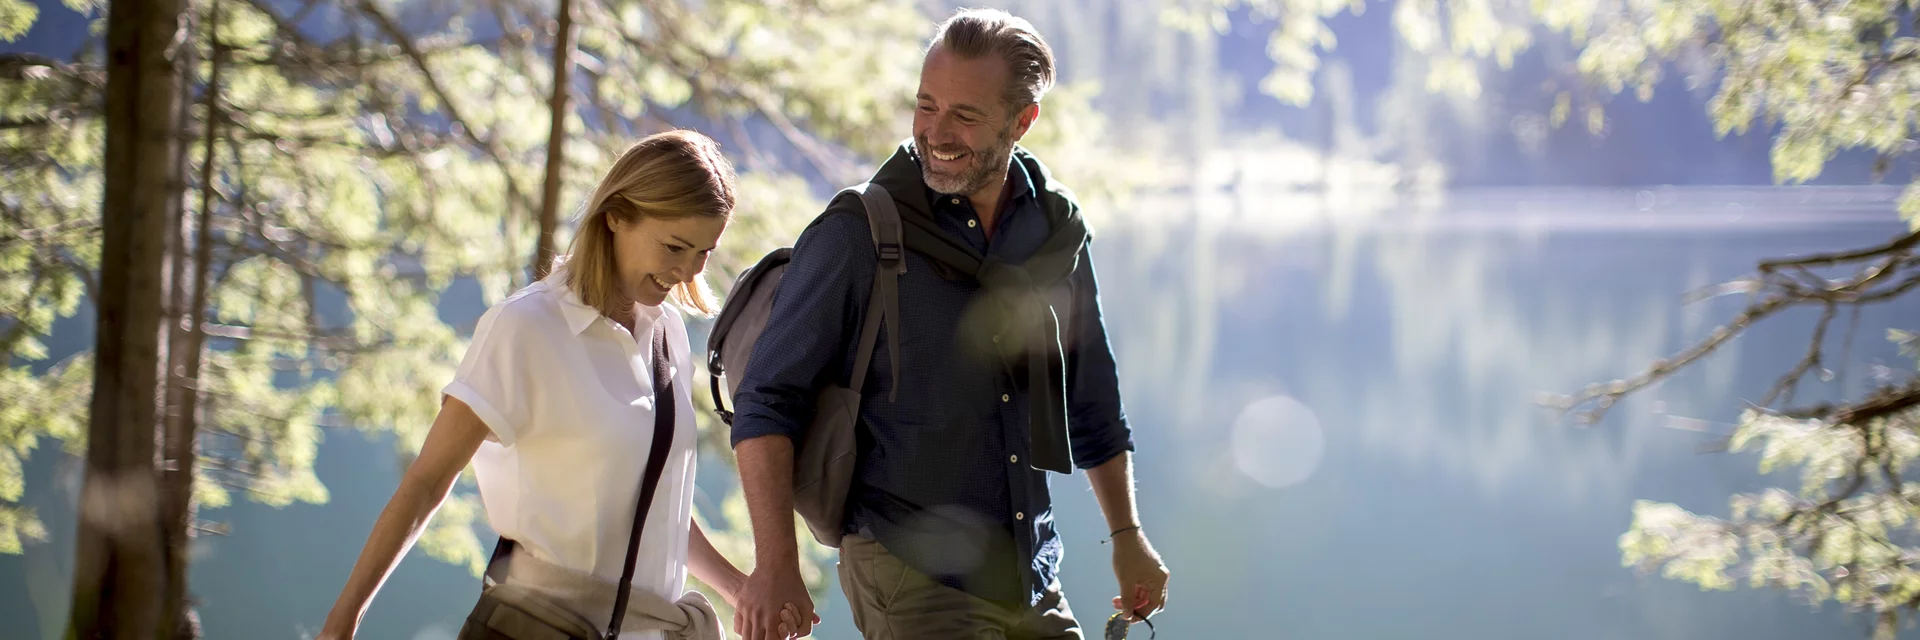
1018	179
579	315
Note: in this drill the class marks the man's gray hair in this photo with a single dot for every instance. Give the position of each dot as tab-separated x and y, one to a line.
977	33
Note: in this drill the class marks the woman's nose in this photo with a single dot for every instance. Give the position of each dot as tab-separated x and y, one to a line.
691	267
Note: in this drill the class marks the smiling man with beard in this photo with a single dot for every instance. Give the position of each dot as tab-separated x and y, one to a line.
999	373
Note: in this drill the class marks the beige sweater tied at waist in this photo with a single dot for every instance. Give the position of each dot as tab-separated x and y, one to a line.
591	597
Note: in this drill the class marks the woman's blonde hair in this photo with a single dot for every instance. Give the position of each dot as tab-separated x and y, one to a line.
666	175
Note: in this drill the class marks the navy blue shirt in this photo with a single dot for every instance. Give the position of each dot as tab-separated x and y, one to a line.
943	482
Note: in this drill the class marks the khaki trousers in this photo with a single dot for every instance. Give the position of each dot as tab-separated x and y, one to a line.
892	601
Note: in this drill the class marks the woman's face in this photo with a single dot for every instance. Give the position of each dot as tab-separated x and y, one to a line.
656	254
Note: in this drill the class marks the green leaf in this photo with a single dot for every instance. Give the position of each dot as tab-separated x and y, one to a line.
17	525
16	18
30	349
85	7
12	476
1910	207
1907	341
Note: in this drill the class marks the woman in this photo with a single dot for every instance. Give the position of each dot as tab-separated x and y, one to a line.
553	406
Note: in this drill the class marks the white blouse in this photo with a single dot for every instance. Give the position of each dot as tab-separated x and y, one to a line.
569	395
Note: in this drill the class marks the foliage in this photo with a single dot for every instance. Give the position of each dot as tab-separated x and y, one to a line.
1847	534
1823	77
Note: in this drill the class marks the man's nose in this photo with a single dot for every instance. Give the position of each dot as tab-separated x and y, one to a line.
940	132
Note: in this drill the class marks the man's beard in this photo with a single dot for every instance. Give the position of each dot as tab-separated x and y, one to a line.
982	164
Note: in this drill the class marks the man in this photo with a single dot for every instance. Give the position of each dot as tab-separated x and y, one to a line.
949	524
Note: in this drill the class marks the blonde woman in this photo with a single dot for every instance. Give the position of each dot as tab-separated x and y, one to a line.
553	404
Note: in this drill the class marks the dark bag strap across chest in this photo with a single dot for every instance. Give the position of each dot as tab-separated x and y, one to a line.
663	431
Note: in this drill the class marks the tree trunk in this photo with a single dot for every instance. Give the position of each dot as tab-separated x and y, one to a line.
543	250
120	563
184	392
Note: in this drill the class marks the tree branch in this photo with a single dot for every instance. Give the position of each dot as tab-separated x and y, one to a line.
559	109
487	145
1888	401
1897	245
1779	288
1812	359
710	67
1846	348
26	122
33	66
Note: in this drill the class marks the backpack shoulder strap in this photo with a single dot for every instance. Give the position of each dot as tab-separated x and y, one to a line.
883	302
883	219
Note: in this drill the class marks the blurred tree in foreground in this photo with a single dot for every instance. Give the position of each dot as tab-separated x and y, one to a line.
122	567
340	163
1823	78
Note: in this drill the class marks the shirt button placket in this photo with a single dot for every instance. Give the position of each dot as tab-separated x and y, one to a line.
1019	480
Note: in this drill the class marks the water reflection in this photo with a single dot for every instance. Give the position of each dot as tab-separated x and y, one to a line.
1471	308
1420	336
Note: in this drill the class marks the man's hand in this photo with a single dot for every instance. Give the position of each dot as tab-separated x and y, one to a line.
770	592
1143	579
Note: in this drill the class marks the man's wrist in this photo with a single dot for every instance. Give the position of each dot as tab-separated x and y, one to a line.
1132	532
787	559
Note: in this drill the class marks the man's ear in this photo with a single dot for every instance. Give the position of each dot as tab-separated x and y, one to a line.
1025	120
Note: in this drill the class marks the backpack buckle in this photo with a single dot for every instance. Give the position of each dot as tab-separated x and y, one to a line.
889	252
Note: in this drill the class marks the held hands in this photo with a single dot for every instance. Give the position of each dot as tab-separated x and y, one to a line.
773	604
1143	578
790	621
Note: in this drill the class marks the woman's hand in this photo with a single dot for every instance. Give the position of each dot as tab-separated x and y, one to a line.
790	620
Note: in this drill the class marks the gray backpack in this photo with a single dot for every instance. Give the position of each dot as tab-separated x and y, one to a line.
824	457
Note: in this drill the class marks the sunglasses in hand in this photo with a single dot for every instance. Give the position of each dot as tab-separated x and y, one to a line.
1117	627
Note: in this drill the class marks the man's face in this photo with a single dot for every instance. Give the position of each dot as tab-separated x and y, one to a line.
962	126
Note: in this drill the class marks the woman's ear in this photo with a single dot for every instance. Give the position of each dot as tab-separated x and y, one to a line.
613	225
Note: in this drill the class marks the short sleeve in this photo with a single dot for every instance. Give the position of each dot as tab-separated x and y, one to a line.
494	375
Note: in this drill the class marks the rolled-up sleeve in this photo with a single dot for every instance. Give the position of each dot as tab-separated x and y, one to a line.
803	347
495	377
1096	421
